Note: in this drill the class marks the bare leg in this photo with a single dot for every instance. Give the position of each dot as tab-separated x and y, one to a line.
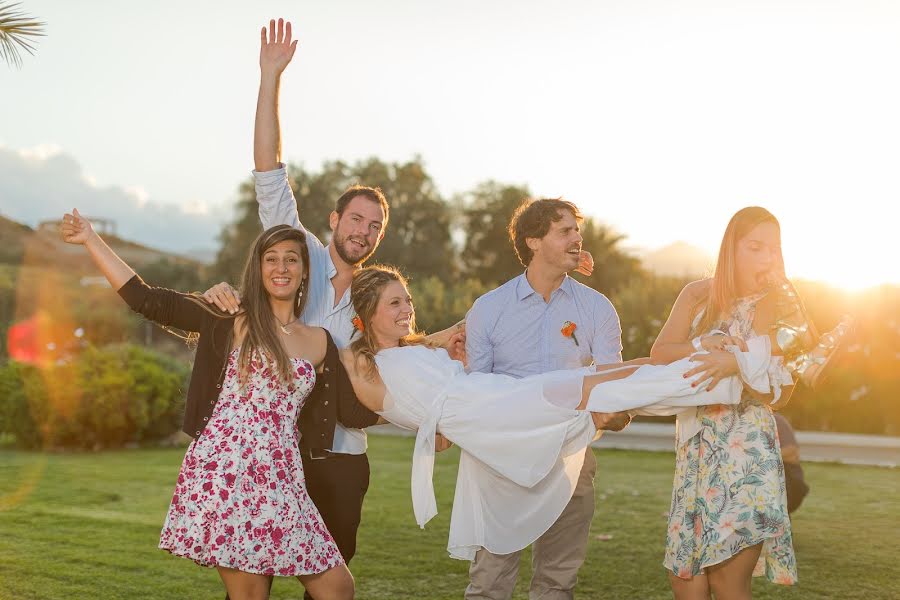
731	579
592	380
334	584
644	360
245	586
695	588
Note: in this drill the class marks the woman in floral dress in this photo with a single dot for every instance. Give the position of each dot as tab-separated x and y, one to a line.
240	503
729	518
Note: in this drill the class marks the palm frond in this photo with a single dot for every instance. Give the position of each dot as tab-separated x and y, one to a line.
17	32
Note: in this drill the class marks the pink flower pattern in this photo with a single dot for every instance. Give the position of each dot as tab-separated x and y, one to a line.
241	500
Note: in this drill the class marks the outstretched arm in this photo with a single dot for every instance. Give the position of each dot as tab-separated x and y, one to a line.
673	342
275	53
277	205
78	230
163	306
453	339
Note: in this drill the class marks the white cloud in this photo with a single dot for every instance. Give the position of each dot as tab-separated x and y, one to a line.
141	195
42	183
40	152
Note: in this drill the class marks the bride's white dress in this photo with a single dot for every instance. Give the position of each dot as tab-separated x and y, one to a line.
521	440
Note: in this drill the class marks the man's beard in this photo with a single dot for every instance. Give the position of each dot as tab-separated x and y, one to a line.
340	248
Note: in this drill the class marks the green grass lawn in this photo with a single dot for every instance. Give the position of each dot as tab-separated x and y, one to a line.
86	526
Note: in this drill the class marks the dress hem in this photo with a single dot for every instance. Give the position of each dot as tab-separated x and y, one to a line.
743	547
209	563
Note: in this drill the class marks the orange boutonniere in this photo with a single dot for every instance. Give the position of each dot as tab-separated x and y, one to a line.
357	322
568	330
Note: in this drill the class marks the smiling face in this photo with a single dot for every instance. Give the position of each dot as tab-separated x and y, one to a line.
394	315
357	230
758	258
560	249
282	270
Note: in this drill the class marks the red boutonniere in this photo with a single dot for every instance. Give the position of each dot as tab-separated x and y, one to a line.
568	330
357	322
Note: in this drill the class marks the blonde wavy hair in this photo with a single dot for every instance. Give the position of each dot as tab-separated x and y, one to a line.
365	293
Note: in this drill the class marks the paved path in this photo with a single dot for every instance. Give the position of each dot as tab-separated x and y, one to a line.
879	450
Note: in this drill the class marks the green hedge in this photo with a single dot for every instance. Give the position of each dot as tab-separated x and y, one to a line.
101	398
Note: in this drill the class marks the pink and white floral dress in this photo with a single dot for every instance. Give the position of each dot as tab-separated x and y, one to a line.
241	499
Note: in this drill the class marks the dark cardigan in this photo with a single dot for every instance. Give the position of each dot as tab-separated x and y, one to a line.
331	400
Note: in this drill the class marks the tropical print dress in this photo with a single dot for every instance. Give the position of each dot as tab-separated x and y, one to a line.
729	491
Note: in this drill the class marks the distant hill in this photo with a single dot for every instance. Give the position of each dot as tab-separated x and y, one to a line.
679	259
43	247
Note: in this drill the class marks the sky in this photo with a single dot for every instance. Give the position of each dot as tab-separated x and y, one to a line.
658	118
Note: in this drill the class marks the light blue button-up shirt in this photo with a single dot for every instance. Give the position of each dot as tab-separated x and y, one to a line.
278	207
512	330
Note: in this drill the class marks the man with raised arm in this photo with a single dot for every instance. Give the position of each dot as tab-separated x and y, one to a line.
337	476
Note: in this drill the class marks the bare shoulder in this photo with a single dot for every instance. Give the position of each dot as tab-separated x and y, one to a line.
238	330
348	359
353	362
697	290
317	335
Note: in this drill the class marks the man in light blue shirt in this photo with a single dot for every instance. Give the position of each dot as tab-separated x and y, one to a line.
541	321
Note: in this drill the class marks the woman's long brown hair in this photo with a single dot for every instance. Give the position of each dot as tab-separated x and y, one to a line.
259	325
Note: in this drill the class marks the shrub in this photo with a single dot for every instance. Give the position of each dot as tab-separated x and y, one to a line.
100	398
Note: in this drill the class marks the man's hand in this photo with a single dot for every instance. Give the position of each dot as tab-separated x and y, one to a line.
585	263
224	296
276	50
456	345
441	443
611	421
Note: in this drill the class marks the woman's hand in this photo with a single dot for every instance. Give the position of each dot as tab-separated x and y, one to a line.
716	341
276	50
585	263
76	229
713	367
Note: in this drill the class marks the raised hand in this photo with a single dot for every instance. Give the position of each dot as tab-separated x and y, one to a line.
75	228
276	49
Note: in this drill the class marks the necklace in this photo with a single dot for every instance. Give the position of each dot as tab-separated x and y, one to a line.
284	326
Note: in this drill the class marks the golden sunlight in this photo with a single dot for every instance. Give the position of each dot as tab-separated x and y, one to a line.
831	262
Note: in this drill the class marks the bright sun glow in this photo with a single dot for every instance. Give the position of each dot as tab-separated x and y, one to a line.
838	251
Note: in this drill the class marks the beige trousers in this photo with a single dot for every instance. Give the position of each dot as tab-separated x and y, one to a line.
556	556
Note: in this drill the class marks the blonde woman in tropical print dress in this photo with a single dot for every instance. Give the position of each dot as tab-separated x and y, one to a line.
729	518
